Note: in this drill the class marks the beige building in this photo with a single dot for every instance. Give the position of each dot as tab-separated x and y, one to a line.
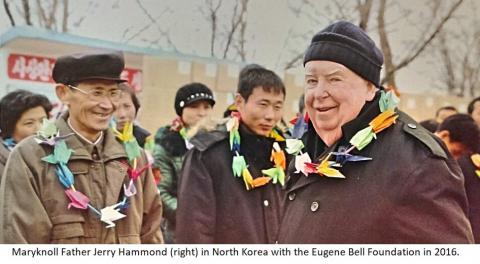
27	56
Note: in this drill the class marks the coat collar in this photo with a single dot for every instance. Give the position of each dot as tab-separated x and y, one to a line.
111	148
253	146
172	142
369	111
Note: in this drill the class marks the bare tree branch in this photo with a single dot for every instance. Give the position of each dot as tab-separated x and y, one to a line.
290	64
242	38
144	28
448	75
364	8
154	21
26	10
42	17
428	40
237	19
9	13
310	11
212	16
385	45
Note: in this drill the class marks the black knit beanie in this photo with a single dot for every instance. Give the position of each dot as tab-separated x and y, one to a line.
345	43
190	93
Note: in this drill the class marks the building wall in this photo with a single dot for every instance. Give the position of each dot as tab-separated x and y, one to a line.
162	77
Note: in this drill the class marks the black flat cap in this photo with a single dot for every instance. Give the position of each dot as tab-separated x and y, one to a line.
103	65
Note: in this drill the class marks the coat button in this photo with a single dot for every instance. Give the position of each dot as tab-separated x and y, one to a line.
95	156
291	196
266	203
413	126
314	206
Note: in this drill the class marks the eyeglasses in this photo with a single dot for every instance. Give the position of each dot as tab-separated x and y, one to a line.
99	94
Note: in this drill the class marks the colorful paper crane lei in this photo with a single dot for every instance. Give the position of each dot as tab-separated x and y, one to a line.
388	102
49	135
276	174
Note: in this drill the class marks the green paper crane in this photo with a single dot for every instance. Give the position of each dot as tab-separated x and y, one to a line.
48	129
277	174
132	149
363	138
61	154
388	101
238	165
294	146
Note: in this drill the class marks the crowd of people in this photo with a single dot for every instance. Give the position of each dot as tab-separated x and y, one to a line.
352	167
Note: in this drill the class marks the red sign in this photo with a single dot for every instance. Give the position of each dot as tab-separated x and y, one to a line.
30	68
39	69
134	78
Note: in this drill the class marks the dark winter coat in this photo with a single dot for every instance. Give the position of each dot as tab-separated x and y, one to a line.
411	192
472	187
214	205
140	134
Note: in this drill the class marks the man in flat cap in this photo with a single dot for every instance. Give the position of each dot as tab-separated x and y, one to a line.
76	181
375	176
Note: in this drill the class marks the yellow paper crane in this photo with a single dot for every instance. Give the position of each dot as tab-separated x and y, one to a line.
325	169
251	183
127	134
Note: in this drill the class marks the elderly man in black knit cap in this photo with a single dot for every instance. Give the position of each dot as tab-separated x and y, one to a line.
369	172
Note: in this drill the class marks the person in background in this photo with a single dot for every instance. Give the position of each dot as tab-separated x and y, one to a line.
442	113
225	193
461	135
299	123
232	107
21	115
127	111
193	103
473	110
301	105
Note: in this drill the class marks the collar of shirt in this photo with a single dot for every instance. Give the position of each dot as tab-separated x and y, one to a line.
84	138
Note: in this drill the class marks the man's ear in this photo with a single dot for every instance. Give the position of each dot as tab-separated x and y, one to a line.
63	93
239	102
371	90
444	135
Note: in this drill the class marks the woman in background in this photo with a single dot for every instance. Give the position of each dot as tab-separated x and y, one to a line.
127	111
21	115
193	103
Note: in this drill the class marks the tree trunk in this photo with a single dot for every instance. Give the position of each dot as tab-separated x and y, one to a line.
65	16
389	77
364	8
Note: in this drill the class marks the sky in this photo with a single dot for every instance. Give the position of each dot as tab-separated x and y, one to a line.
274	33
